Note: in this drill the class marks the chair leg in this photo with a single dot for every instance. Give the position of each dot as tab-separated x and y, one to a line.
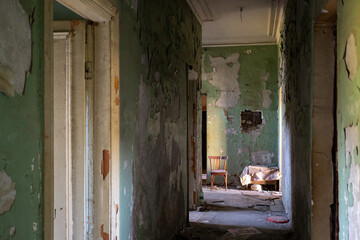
226	182
212	181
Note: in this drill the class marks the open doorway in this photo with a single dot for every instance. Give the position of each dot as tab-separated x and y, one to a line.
240	120
81	120
204	136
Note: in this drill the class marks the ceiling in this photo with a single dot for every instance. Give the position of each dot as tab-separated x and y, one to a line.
328	13
234	22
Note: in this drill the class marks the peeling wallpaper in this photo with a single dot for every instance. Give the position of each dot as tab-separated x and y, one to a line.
348	50
21	141
235	79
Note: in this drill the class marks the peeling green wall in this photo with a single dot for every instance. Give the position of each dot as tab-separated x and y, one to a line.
235	79
348	115
296	84
157	40
21	140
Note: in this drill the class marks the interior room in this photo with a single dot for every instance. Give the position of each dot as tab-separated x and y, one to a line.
182	119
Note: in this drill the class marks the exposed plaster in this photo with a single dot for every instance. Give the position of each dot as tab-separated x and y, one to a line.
353	185
266	99
15	48
257	132
265	77
225	77
7	192
35	226
12	231
6	75
351	56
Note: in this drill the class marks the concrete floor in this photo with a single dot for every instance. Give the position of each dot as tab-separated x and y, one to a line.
237	214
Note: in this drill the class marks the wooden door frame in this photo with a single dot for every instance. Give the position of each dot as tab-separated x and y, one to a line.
95	10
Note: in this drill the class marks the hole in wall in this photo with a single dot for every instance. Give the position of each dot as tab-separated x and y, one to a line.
250	120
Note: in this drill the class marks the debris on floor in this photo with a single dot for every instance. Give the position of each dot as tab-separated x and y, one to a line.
278	219
237	214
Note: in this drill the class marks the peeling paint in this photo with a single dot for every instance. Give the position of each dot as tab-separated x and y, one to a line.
265	77
230	131
104	235
15	48
7	192
226	79
35	226
105	163
266	99
256	79
12	231
351	56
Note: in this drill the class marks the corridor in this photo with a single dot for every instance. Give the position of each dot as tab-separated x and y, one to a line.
111	112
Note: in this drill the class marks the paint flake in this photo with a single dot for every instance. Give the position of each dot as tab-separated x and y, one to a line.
351	57
351	144
226	79
15	48
12	231
7	192
266	99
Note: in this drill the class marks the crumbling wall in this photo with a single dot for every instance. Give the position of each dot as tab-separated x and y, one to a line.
323	130
158	39
348	82
296	84
21	141
236	79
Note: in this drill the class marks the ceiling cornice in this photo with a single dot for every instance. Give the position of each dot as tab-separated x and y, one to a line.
202	10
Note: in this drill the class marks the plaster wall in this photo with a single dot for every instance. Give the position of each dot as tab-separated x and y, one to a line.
348	80
235	79
21	139
323	130
158	39
296	84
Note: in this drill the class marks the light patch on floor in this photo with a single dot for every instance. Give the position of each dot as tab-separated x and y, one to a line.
237	214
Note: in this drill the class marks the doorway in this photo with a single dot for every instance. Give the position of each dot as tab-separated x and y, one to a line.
81	120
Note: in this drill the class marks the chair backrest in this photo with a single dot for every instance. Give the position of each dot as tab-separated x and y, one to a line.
216	162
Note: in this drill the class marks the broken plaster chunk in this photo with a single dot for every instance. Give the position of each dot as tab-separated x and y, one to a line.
7	192
15	48
351	57
351	143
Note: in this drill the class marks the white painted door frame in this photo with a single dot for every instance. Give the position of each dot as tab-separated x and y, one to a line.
106	221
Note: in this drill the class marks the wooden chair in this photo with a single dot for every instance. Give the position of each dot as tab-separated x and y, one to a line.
218	169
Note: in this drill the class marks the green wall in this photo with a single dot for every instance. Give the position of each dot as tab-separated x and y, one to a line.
347	122
21	140
236	79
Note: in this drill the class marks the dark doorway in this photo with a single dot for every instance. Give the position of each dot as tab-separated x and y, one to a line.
204	132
